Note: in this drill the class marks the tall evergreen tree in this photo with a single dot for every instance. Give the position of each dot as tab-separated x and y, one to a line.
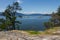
55	19
10	14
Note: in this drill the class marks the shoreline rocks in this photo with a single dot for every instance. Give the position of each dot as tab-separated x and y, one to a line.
11	35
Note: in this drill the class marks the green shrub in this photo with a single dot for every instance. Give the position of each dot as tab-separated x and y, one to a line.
48	25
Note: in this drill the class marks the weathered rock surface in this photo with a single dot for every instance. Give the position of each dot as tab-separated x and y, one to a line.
7	35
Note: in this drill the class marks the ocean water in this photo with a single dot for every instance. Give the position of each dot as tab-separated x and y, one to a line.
32	22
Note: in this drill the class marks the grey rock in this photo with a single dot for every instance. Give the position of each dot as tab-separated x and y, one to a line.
19	36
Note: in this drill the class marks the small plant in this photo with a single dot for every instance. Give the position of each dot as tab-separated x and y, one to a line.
33	32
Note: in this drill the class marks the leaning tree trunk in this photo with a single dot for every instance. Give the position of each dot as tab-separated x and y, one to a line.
13	25
14	20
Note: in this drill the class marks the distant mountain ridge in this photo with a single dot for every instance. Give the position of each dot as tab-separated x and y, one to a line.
36	14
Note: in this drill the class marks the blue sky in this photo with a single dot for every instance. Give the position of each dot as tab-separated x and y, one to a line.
33	6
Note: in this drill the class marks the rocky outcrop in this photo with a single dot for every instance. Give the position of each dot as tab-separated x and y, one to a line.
8	35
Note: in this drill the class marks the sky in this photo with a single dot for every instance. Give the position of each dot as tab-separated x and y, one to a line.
33	6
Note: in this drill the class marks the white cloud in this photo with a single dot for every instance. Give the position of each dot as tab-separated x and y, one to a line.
19	1
35	12
30	12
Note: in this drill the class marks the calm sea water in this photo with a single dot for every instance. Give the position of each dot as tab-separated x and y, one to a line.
32	22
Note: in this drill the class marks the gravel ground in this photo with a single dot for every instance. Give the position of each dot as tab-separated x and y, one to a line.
8	35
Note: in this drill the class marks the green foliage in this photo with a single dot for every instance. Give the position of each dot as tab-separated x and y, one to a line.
54	21
58	11
33	32
56	17
48	25
10	14
4	24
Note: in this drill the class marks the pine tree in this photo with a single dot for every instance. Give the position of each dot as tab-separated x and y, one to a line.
55	19
10	15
